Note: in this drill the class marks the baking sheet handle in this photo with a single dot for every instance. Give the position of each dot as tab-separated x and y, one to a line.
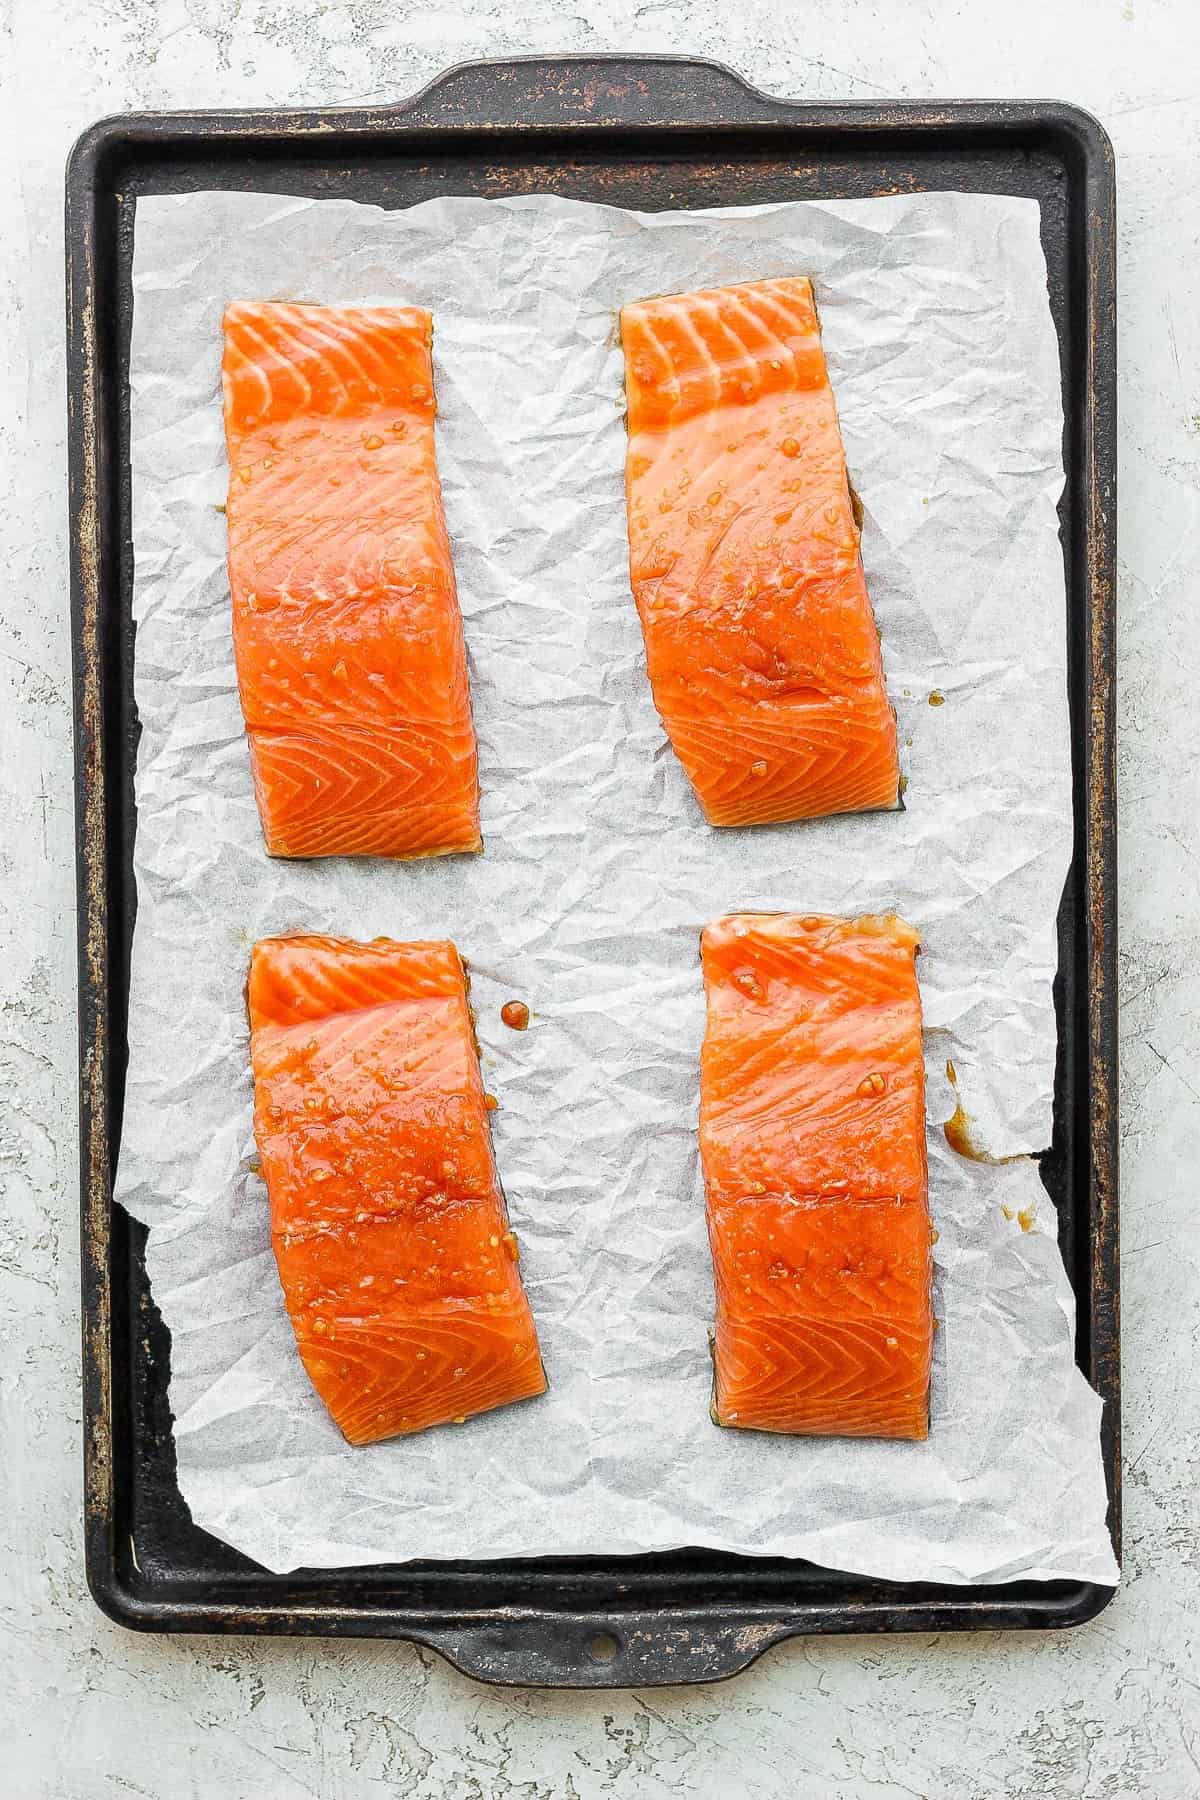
607	1650
548	92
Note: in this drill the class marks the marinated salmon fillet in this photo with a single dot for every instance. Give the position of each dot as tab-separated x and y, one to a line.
387	1219
744	559
346	628
812	1138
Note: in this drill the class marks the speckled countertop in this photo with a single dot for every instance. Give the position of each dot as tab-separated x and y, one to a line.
1112	1710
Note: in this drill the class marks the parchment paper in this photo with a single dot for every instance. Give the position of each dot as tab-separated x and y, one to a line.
598	874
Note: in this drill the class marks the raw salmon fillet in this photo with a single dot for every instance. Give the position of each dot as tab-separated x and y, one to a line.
346	628
388	1223
743	553
812	1137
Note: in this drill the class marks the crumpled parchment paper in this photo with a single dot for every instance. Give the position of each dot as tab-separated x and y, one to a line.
598	875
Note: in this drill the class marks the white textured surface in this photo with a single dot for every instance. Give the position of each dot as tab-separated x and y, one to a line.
1112	1710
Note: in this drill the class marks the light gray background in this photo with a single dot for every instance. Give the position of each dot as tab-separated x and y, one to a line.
89	1711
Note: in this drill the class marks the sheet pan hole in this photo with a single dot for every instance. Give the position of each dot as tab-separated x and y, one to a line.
604	1647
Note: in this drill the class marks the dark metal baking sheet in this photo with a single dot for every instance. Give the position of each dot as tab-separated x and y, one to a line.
650	133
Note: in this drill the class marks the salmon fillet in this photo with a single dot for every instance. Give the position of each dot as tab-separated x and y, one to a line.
744	559
346	629
812	1138
387	1219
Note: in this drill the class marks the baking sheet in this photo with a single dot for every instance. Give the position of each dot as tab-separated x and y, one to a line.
597	874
